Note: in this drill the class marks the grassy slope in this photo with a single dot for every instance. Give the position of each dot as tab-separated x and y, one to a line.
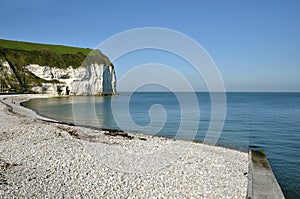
19	45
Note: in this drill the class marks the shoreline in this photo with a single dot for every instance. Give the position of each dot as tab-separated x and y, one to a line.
53	159
49	119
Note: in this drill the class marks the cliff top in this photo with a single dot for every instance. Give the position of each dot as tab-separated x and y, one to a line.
20	54
28	46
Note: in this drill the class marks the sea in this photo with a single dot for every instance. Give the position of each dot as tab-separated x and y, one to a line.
269	121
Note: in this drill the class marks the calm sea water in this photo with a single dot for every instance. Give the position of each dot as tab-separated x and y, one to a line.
270	121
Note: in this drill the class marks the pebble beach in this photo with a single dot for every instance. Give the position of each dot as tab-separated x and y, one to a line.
43	158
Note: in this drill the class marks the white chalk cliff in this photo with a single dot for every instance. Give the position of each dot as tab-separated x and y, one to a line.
95	79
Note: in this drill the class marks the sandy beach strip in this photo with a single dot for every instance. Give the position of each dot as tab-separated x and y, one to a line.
42	159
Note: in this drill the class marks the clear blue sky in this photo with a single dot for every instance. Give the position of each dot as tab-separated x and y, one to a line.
255	44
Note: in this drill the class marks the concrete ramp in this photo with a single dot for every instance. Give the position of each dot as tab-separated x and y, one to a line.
262	182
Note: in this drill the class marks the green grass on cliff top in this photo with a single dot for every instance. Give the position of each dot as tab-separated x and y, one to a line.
20	45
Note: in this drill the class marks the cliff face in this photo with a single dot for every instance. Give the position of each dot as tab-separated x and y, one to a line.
47	71
95	79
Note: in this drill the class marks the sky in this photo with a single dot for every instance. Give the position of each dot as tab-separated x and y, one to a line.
255	44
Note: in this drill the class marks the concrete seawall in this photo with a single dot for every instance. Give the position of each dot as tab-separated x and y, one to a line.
262	182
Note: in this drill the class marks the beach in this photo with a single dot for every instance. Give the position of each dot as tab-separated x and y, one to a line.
42	158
